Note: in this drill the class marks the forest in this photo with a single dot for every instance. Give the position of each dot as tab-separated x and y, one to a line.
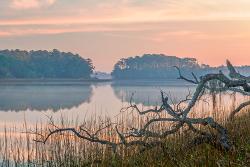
160	66
41	64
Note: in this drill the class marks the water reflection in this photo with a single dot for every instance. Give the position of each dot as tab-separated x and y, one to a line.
43	97
148	93
58	97
83	102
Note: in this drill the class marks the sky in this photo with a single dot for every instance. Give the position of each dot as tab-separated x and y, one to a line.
108	30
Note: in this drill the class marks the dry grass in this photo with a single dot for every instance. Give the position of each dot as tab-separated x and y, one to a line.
19	149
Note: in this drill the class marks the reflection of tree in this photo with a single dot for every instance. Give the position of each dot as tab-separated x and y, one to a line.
17	98
148	93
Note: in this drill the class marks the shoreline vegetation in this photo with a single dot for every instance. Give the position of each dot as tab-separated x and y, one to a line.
20	148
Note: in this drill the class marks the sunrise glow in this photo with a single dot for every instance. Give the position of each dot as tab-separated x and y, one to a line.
106	31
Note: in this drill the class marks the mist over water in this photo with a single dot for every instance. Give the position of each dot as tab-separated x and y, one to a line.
33	103
42	98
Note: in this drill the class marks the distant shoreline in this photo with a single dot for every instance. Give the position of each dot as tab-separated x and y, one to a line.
75	82
63	81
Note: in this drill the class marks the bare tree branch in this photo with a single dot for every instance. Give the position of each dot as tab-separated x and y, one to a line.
238	109
234	74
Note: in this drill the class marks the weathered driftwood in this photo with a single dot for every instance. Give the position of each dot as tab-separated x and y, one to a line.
235	82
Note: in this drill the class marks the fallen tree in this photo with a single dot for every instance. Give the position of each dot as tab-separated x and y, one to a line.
179	116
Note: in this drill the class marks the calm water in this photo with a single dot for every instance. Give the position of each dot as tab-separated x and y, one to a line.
33	102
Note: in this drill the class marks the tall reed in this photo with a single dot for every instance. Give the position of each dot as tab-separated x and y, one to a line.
65	149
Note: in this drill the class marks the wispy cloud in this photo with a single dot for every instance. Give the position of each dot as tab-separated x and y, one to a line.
29	4
124	11
61	29
4	34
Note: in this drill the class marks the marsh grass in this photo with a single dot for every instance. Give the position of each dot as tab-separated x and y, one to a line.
63	150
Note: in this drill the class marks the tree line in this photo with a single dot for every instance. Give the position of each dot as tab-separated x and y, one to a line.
160	66
43	64
56	64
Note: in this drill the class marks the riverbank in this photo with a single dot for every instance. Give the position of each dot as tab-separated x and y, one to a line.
63	81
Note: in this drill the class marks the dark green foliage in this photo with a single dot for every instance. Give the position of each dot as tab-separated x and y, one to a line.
159	66
154	66
43	64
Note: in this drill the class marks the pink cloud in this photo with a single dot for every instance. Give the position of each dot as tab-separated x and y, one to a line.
4	34
29	4
24	31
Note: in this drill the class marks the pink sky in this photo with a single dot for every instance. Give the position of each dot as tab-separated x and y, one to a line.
105	31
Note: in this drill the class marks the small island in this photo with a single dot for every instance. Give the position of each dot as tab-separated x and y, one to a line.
162	67
43	64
